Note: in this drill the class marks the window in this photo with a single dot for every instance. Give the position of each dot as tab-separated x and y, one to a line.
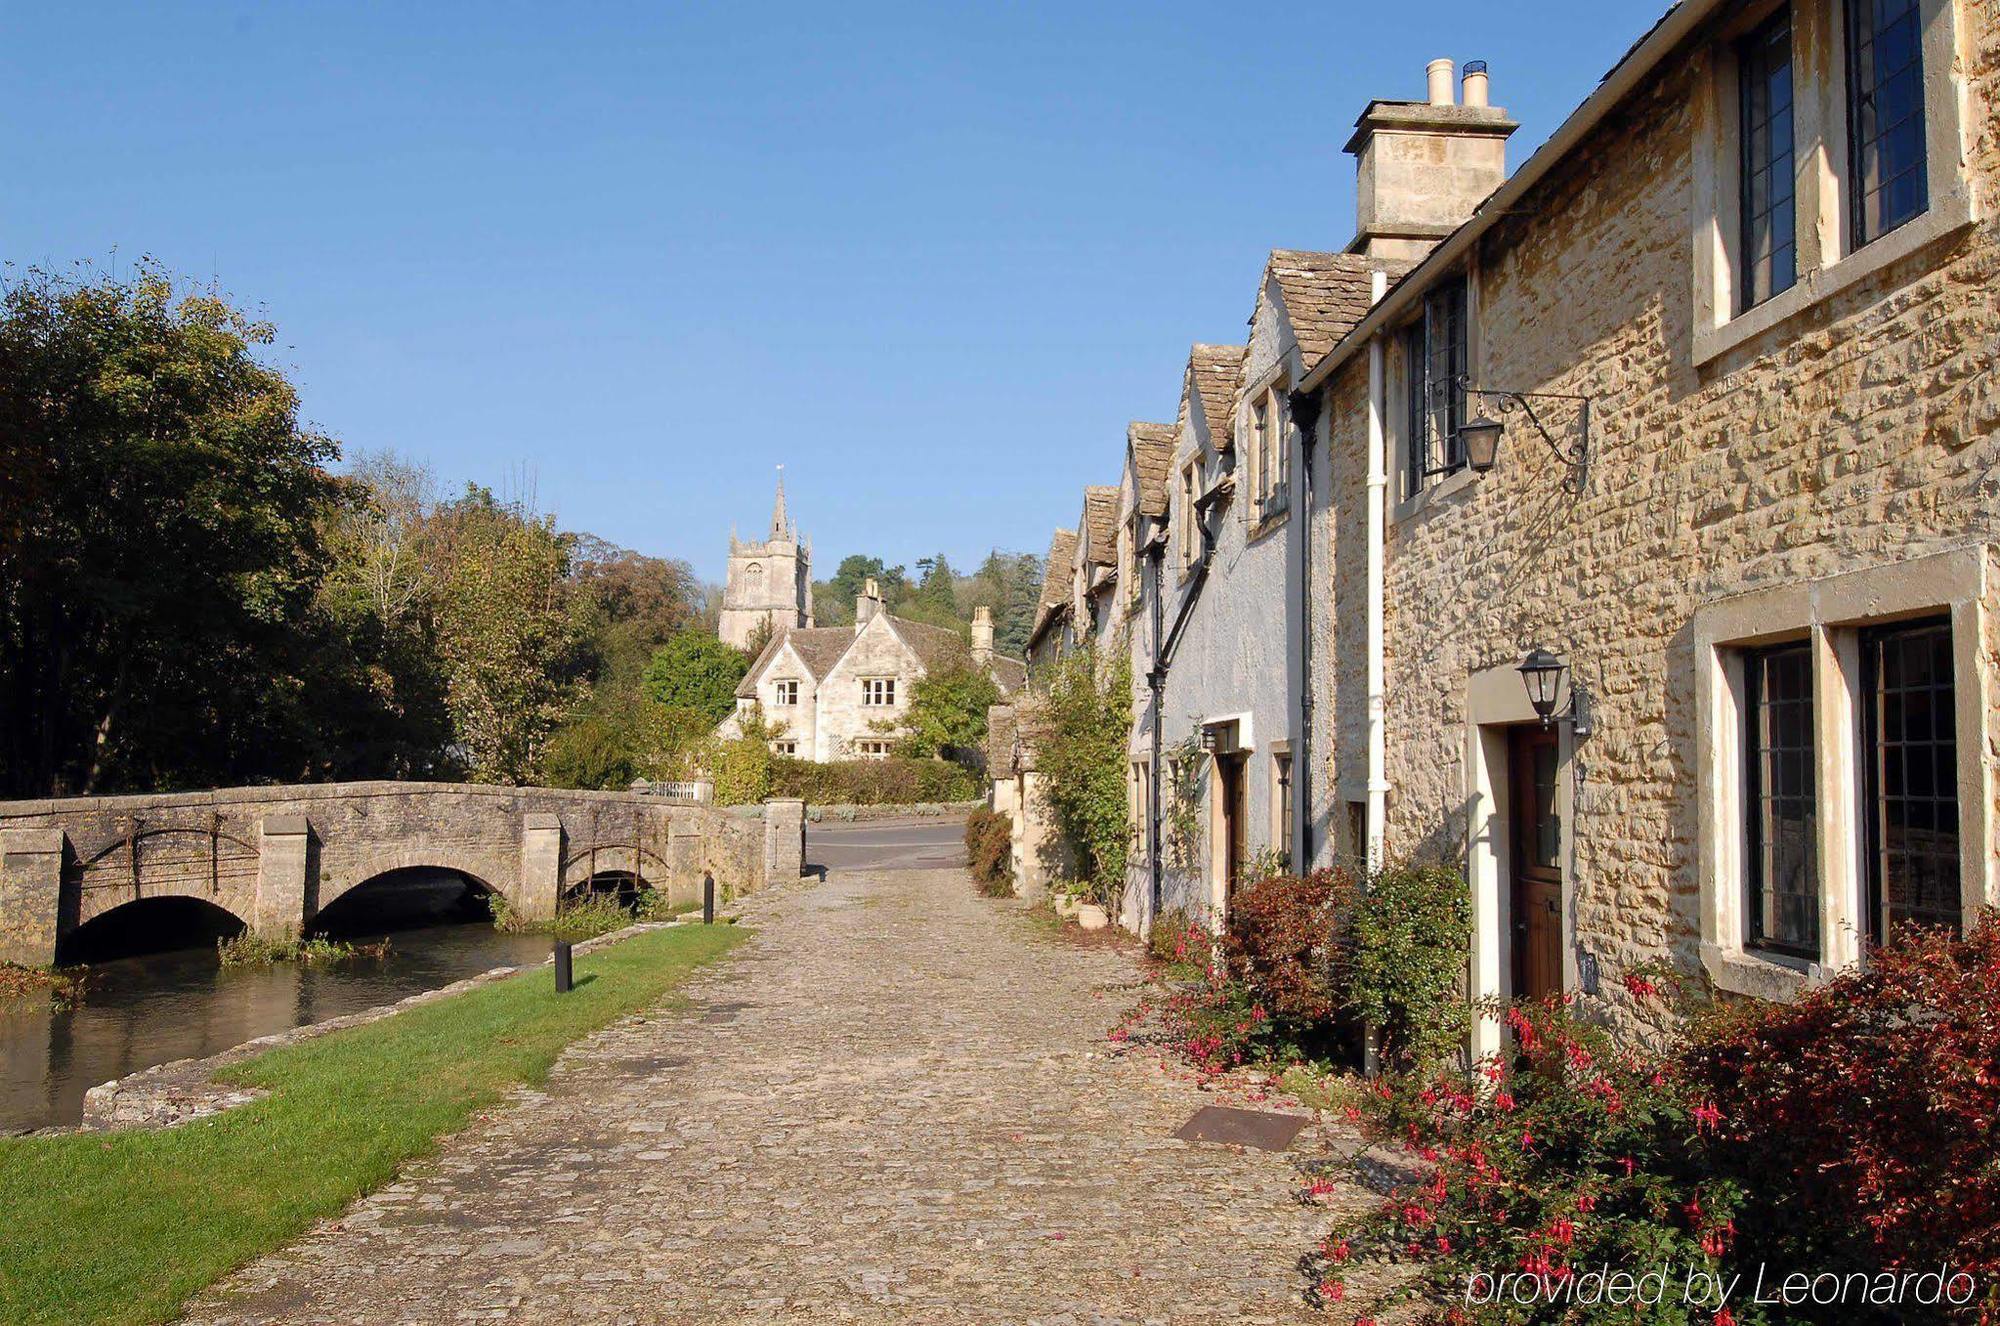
877	692
1910	796
787	693
785	747
872	750
1435	363
1781	813
1188	520
1888	181
1768	249
1267	453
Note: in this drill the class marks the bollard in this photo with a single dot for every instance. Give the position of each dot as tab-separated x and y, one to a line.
707	899
563	981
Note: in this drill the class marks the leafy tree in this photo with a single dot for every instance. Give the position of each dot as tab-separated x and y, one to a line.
161	544
696	672
511	630
947	713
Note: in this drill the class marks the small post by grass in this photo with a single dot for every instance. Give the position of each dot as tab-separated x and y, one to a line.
125	1227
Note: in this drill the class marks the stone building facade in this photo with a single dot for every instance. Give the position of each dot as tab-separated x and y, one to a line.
1743	504
843	692
769	584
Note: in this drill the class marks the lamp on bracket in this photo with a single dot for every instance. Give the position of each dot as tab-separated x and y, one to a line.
1479	436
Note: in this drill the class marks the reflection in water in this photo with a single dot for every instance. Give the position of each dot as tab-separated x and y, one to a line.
141	1011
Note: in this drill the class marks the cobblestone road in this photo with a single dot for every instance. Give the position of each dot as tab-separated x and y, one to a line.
895	1104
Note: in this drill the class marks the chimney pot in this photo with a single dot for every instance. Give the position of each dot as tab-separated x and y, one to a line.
1441	79
1476	91
867	603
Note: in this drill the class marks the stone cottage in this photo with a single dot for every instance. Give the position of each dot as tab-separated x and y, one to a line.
1626	530
842	692
1686	431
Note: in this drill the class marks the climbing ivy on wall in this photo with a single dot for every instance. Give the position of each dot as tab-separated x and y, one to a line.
1088	721
1180	803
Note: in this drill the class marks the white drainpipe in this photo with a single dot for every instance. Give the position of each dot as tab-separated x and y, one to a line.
1378	491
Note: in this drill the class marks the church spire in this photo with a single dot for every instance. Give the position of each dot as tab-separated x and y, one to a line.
780	527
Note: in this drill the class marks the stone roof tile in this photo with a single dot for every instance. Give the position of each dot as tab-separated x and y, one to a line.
1218	372
1152	448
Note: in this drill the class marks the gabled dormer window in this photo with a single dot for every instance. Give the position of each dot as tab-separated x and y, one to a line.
1268	454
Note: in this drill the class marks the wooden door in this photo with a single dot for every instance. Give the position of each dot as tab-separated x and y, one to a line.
1537	884
1235	823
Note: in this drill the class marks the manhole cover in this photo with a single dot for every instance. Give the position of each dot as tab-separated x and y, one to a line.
1258	1128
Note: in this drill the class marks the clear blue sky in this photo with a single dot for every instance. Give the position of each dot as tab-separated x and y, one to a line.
931	257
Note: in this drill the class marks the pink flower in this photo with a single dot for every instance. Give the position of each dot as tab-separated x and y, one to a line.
1707	1116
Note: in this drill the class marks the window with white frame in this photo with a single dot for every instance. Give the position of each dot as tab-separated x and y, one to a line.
872	749
878	692
785	693
1435	358
1837	768
1834	146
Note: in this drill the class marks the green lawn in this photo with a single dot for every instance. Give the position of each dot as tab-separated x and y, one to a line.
124	1227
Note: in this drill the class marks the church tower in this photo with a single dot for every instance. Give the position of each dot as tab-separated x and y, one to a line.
769	582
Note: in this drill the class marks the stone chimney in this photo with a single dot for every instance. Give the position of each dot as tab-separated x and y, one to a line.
982	635
1422	166
867	603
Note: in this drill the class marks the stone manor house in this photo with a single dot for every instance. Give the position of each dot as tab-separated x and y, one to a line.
1624	529
833	692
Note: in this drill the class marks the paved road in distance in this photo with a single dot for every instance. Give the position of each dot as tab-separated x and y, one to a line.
906	844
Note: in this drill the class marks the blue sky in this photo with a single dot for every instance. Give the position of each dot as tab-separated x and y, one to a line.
931	258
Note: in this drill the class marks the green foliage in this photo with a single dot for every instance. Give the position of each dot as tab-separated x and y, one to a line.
124	1227
587	917
1009	584
696	672
947	713
1408	934
1182	790
160	546
513	639
741	766
989	851
1088	722
895	781
251	950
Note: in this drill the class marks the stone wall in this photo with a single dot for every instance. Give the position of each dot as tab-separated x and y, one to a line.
276	856
1860	433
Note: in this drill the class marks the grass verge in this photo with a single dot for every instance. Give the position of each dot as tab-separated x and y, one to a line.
125	1227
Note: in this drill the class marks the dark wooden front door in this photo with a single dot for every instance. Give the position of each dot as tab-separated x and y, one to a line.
1537	863
1235	823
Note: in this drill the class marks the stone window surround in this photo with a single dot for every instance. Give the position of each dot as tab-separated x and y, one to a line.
1270	388
878	692
1184	501
1831	613
1281	759
785	693
871	748
1826	261
1394	408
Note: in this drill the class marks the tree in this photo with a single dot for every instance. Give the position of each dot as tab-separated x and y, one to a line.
947	713
1086	722
696	672
161	542
511	630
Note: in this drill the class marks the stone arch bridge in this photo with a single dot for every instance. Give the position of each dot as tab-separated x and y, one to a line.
275	857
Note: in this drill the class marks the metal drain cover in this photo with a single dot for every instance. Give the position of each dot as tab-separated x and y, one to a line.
1258	1128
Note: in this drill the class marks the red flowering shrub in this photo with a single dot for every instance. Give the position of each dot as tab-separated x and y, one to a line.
1864	1118
1581	1158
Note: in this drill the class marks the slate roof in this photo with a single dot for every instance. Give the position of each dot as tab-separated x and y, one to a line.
1325	294
1100	524
1152	448
1218	372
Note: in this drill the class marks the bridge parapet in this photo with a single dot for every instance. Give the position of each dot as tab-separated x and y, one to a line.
275	857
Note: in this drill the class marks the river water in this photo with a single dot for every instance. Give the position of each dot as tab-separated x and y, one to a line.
140	1011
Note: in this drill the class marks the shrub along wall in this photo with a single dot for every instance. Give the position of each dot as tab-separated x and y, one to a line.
989	851
894	781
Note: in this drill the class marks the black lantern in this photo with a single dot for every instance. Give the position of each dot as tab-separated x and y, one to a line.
1542	673
1479	437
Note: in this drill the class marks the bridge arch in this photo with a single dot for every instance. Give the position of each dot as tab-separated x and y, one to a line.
158	922
406	896
490	874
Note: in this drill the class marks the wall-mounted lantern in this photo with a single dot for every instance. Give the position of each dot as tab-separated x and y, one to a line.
1542	673
1479	436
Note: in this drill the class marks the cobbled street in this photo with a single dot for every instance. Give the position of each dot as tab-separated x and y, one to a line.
897	1103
